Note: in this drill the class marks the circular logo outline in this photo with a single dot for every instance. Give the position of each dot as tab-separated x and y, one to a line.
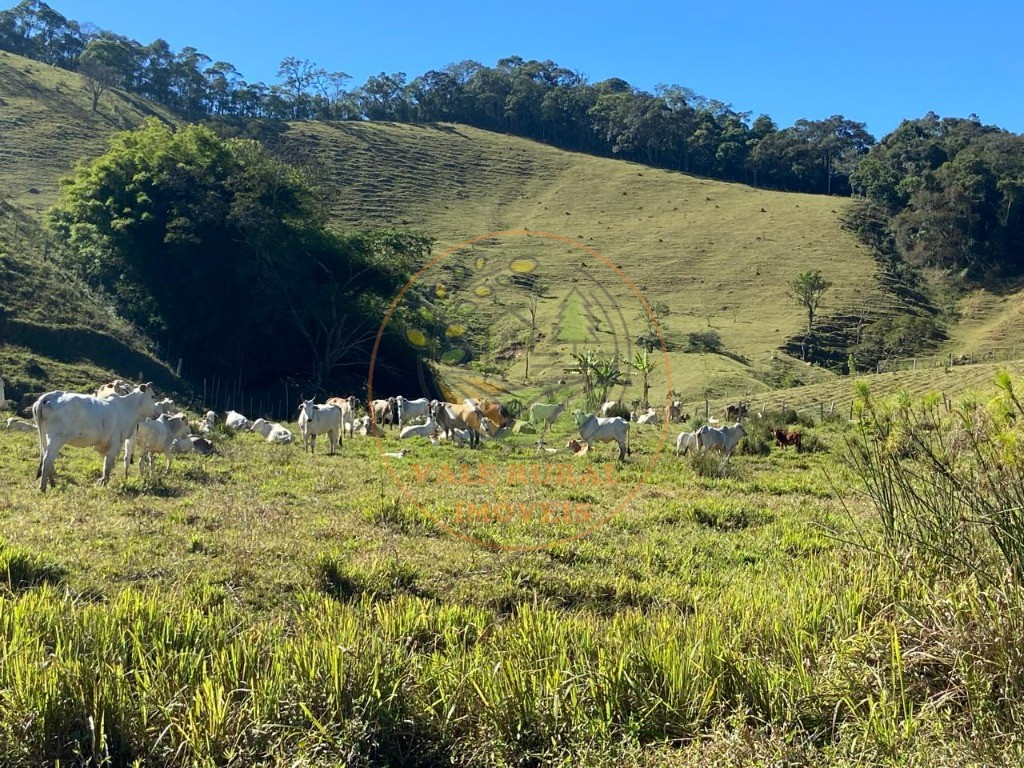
586	531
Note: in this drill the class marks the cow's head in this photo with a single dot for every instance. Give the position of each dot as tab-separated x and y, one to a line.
307	407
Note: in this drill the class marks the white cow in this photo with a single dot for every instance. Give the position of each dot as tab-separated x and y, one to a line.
192	444
236	421
87	421
650	416
154	436
17	425
412	409
594	429
206	425
608	406
319	420
547	413
166	406
426	430
272	431
457	437
115	387
721	439
685	441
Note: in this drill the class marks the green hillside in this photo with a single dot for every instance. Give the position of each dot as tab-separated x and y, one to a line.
54	331
719	255
602	240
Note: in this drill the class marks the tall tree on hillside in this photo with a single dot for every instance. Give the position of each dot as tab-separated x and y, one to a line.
100	64
808	288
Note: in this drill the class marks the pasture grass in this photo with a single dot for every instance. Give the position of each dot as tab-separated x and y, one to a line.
267	606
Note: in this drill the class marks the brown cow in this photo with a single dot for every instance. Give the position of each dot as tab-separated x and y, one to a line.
786	439
452	416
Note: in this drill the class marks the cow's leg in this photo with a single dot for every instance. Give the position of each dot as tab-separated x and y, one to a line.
47	462
109	459
312	444
167	469
129	455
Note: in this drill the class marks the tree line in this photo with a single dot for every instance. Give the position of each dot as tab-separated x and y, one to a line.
673	127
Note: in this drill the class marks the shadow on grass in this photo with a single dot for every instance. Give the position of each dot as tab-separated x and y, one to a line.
21	569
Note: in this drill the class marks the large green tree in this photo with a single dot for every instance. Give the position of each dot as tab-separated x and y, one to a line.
219	248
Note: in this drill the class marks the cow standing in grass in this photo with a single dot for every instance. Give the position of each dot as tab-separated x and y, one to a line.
720	439
546	414
87	421
320	420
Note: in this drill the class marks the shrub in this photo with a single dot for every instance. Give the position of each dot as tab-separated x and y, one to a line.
706	464
948	487
382	579
704	341
619	409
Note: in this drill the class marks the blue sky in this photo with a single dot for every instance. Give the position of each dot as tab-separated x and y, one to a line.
877	62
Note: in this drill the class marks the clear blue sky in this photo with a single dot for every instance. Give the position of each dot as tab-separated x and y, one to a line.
877	61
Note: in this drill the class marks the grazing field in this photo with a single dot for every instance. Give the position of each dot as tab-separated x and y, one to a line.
267	606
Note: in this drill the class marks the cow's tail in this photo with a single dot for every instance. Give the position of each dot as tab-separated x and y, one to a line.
628	451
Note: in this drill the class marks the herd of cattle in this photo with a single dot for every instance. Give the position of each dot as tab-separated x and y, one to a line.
119	415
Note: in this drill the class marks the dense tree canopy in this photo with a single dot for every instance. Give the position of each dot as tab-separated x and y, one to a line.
949	193
222	248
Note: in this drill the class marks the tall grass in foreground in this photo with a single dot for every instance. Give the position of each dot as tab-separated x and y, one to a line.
157	680
947	481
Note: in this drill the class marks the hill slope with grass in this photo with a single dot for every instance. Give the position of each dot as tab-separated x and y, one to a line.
54	331
719	256
604	241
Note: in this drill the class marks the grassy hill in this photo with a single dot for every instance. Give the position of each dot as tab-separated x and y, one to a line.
720	256
601	240
54	331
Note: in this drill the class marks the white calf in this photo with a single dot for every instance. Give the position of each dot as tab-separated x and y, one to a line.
272	431
650	416
419	430
154	436
86	421
546	413
685	441
319	420
206	425
192	444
